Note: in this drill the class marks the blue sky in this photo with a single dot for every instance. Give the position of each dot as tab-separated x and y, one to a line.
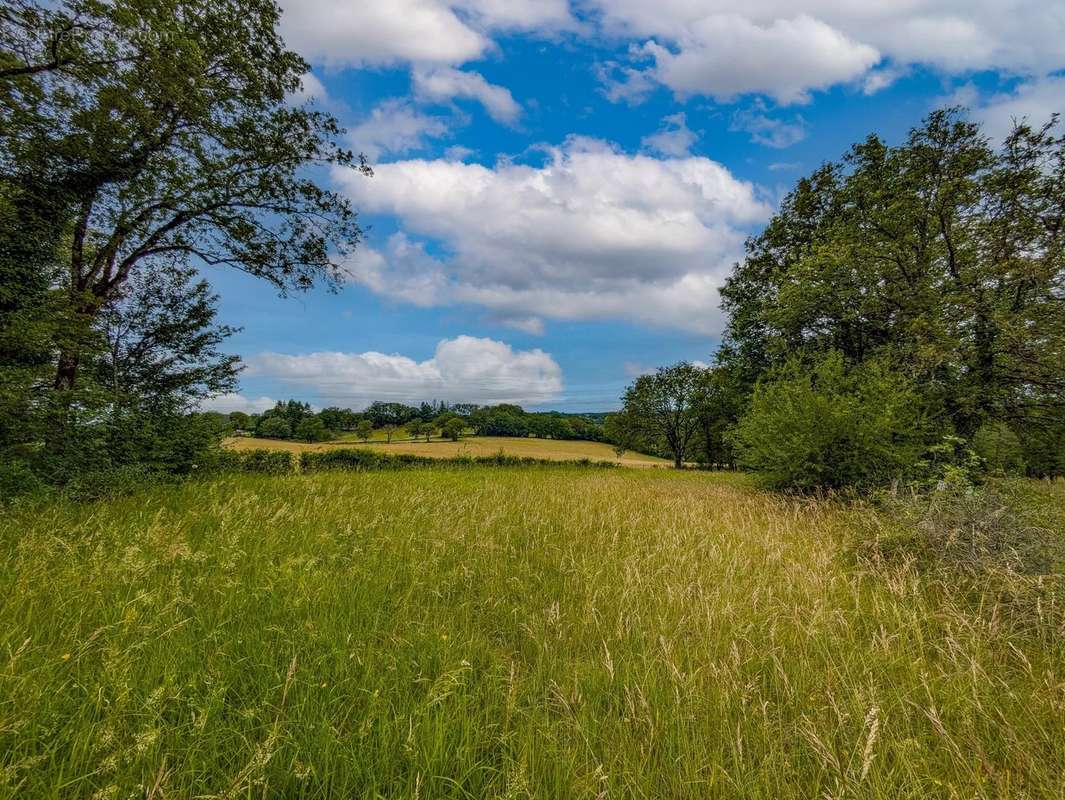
562	185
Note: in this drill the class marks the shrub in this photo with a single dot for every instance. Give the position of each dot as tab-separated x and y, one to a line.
968	528
110	482
360	460
830	426
267	462
363	460
18	480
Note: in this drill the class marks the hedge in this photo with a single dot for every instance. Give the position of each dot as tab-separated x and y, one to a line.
364	460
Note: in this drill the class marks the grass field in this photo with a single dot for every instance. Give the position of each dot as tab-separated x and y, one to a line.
507	633
473	446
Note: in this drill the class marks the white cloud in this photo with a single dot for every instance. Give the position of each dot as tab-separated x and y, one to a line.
373	32
232	401
1035	101
593	233
311	89
728	55
787	48
464	369
767	130
674	139
396	127
444	83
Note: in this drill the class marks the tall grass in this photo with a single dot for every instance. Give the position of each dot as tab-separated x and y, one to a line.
509	633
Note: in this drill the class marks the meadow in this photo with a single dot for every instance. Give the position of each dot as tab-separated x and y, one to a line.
550	449
511	633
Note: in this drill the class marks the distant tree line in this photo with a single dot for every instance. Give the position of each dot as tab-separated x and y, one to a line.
293	419
903	311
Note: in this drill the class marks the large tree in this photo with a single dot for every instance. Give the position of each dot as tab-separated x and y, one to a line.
944	256
664	408
137	132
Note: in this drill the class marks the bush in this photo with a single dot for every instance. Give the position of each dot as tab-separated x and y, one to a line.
110	482
362	460
967	528
1000	448
830	426
18	480
267	462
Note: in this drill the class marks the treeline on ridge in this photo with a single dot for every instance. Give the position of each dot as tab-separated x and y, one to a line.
293	419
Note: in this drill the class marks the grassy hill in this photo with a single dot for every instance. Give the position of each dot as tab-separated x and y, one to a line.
551	449
490	633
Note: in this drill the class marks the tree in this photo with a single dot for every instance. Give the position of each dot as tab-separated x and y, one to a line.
415	428
942	253
154	131
1000	448
275	427
664	407
338	419
162	344
453	429
312	429
240	420
364	430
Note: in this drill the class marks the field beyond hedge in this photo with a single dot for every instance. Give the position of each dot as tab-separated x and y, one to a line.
508	633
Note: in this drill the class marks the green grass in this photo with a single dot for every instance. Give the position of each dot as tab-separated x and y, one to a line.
508	633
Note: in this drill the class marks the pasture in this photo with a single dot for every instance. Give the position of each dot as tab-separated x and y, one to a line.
550	449
509	633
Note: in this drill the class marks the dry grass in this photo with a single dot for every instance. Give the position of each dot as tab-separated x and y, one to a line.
506	633
474	446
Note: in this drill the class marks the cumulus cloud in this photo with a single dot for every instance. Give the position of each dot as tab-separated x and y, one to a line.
725	56
443	84
232	401
784	49
396	127
593	233
375	32
674	139
463	369
1034	101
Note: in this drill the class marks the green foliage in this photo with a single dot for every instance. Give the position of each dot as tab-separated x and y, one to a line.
312	429
18	480
1000	448
364	430
267	462
824	426
453	429
274	428
365	460
662	411
942	253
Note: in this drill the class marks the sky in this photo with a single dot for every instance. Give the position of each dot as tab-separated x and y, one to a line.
561	186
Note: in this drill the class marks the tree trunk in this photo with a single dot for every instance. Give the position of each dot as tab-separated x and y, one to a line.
67	371
678	461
